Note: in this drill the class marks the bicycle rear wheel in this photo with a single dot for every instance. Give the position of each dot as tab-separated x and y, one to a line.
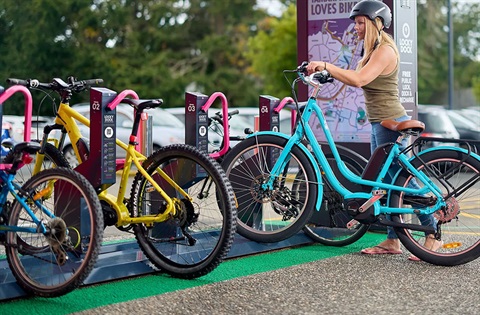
270	215
329	225
458	225
199	237
57	262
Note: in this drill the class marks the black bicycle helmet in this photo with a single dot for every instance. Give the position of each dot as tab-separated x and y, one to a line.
373	9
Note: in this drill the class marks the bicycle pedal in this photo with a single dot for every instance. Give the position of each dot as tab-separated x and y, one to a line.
352	224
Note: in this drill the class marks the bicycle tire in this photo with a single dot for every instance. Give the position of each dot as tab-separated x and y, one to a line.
57	263
53	158
328	226
199	238
459	222
269	216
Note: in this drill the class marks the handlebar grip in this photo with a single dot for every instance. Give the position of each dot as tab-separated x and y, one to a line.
93	82
303	67
234	112
13	81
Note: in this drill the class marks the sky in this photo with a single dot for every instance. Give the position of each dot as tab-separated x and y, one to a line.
274	7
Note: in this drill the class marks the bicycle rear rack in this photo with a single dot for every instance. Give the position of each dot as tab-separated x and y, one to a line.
443	178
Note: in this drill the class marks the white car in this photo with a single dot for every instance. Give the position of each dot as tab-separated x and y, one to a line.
237	125
167	129
18	129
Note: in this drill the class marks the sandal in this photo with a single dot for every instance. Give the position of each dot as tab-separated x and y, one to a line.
380	250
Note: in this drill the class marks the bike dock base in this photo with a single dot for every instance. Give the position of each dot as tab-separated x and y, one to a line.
125	259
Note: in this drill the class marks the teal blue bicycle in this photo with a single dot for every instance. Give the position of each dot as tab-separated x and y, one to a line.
279	181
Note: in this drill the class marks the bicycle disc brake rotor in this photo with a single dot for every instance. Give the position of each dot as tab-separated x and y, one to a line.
280	197
450	211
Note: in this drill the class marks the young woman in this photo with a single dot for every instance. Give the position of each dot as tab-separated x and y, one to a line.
377	75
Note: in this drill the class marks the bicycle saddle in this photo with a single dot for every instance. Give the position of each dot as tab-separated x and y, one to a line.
411	127
141	105
27	147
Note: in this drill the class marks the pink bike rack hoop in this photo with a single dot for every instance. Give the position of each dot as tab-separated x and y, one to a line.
119	98
285	101
28	106
27	126
226	139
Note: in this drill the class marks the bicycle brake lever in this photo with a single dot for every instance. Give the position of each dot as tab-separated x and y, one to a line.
323	77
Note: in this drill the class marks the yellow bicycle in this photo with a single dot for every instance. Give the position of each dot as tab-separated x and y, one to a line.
181	207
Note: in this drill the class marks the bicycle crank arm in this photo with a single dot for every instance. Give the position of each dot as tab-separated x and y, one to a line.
427	229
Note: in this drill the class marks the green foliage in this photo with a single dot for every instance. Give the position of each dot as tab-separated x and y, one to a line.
162	48
432	38
273	50
158	48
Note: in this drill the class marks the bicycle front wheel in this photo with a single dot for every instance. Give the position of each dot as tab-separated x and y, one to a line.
458	225
270	214
58	261
199	236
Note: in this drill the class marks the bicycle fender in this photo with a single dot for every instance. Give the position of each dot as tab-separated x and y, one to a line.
309	155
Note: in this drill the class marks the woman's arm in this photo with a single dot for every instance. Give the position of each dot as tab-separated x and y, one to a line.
382	61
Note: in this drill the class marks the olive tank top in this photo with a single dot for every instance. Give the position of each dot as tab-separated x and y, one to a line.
381	97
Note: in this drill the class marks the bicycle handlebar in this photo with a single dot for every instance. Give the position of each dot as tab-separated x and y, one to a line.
315	79
57	84
218	117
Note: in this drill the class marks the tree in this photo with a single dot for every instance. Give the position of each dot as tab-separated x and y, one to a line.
273	50
158	48
432	34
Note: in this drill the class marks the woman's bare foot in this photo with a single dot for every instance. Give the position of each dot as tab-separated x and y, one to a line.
388	246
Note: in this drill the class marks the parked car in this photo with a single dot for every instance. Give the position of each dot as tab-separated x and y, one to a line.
237	126
466	127
167	129
470	113
437	124
18	129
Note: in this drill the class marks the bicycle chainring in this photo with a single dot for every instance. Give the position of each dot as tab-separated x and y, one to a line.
448	213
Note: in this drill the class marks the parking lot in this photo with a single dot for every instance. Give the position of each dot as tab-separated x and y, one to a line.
311	279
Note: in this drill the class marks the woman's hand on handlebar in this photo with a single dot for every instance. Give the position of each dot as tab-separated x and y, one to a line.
315	66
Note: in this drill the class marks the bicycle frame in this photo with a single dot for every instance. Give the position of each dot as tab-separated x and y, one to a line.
379	188
9	187
66	118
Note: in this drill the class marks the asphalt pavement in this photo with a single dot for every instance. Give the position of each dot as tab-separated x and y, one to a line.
349	284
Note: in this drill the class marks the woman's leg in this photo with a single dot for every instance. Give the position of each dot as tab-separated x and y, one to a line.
391	245
379	136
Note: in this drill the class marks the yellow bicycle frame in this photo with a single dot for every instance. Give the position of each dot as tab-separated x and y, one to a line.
68	117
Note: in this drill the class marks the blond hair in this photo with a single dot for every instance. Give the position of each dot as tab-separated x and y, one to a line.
372	36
